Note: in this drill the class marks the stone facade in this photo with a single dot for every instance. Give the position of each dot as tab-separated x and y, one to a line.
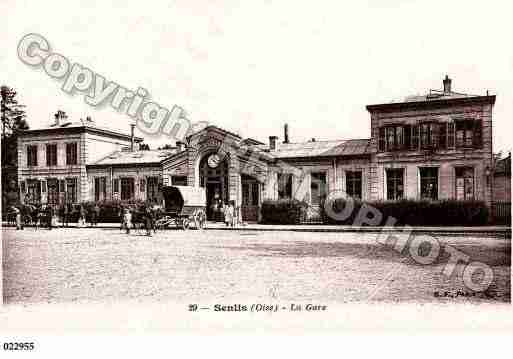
91	143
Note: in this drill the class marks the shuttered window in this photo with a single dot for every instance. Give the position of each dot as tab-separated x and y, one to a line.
32	155
51	155
71	153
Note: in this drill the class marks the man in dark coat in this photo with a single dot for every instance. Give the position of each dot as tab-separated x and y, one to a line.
49	216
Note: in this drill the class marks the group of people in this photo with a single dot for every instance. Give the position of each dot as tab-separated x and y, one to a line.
144	215
46	215
230	214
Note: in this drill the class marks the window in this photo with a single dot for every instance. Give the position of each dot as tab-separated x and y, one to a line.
429	135
53	191
464	183
32	155
127	188
33	191
284	185
142	185
395	183
115	185
153	187
318	188
100	188
391	138
51	155
71	190
425	135
429	183
71	153
179	180
354	184
468	133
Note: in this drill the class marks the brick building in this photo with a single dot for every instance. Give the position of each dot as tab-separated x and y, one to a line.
434	146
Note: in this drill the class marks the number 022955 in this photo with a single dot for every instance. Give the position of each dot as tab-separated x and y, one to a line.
18	346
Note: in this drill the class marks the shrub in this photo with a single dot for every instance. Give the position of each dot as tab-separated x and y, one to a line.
283	211
109	210
417	212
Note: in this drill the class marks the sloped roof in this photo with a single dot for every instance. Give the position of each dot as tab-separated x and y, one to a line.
85	124
321	148
434	95
135	157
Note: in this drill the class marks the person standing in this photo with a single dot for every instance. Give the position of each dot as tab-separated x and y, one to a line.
149	219
127	220
82	218
49	216
95	215
19	223
65	215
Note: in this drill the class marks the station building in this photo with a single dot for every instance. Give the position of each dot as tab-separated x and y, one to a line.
434	146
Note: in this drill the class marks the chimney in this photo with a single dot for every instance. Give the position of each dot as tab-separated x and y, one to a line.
132	137
313	139
447	84
286	133
180	145
57	119
272	142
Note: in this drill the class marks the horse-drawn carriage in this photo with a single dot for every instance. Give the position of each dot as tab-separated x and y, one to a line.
183	206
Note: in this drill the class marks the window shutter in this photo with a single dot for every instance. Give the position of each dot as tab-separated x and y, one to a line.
435	130
478	134
381	141
450	134
407	136
415	137
442	135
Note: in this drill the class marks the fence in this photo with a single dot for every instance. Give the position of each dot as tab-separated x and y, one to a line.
501	212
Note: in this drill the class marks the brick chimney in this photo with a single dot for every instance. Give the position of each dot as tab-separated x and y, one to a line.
272	142
286	133
132	137
447	84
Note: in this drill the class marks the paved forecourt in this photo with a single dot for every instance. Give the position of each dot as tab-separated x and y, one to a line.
84	265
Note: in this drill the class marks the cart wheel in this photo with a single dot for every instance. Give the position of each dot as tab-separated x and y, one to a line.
185	224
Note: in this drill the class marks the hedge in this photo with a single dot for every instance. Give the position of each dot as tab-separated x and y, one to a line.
109	210
283	211
417	212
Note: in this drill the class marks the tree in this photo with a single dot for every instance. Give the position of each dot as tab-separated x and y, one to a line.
13	122
13	114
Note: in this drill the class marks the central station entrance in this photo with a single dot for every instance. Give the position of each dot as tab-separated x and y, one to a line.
213	173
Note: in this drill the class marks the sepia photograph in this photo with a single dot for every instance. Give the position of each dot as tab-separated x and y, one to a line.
222	166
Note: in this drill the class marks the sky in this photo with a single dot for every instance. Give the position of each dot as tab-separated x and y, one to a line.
250	67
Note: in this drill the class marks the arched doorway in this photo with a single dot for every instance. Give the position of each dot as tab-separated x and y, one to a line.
213	175
250	198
